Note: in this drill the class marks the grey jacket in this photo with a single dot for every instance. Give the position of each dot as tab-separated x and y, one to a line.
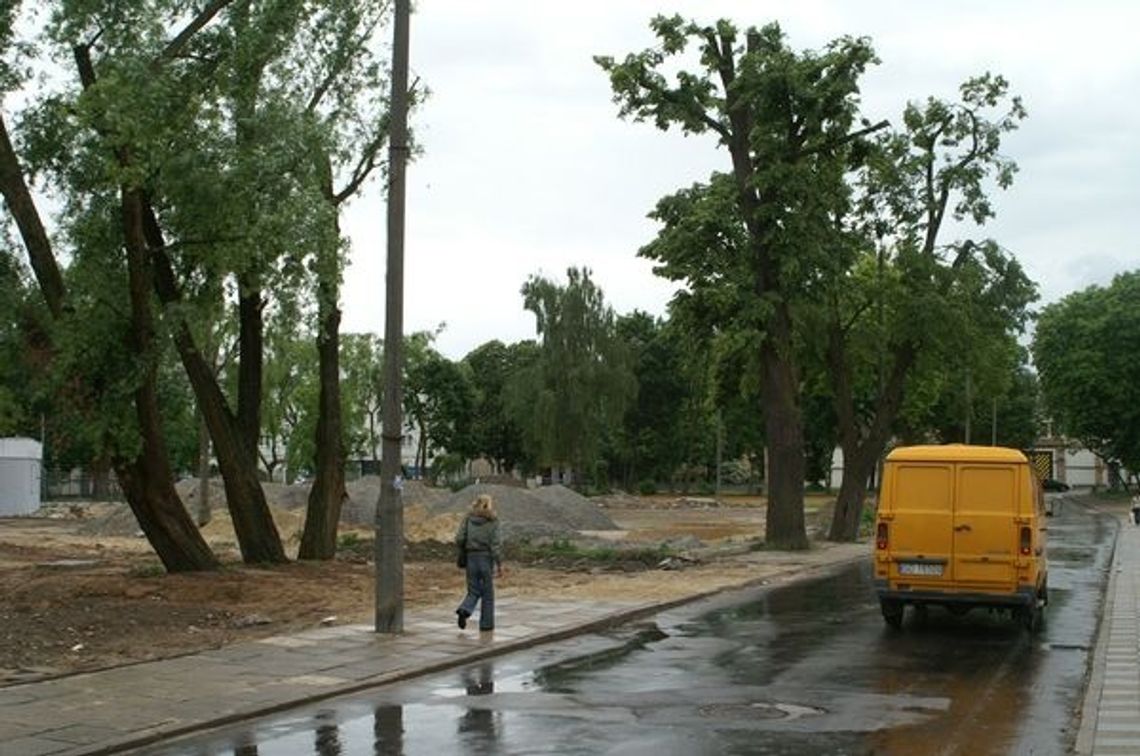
477	533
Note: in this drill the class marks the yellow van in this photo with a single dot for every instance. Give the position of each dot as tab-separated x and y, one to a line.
961	526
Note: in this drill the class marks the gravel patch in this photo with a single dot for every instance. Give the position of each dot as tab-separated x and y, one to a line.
550	512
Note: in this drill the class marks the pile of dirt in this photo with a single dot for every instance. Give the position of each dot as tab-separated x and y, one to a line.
112	520
420	525
277	494
360	508
430	514
549	512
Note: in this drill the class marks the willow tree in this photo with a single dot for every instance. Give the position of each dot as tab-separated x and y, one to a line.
109	351
784	119
577	392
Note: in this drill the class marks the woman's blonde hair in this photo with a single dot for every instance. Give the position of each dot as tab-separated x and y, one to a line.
483	505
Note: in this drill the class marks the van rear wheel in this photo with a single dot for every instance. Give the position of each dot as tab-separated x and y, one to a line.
892	612
1030	617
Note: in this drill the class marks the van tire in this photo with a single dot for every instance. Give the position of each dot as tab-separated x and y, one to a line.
1030	616
892	612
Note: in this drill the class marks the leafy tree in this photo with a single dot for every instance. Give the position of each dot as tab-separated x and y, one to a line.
145	121
495	435
523	375
22	353
578	390
1010	403
121	367
289	411
439	399
1085	349
362	365
650	446
783	118
904	299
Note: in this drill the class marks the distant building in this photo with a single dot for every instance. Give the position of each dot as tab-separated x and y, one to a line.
1053	457
1060	459
20	473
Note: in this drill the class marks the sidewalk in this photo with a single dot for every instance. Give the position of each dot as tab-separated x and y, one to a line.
1110	723
115	709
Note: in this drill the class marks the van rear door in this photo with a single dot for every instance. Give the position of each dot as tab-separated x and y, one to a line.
985	527
921	517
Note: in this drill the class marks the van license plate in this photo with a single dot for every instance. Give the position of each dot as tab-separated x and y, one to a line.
920	568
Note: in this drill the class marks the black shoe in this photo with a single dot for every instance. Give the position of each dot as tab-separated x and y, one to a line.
462	621
486	629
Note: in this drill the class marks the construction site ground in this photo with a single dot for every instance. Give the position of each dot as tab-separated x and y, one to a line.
78	594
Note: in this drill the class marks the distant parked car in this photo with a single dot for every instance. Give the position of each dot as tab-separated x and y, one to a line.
1049	484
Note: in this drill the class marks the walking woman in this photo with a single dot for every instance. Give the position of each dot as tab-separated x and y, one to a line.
480	546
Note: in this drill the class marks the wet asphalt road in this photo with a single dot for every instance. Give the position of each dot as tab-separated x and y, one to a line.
805	669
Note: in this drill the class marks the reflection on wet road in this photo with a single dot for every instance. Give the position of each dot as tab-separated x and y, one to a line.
809	668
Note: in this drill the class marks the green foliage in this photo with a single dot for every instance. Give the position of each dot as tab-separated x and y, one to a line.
567	553
867	521
495	434
650	443
362	392
647	488
354	547
439	399
146	570
571	398
1087	352
448	466
1006	386
17	397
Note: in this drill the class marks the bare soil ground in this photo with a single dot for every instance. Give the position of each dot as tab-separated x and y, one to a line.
79	590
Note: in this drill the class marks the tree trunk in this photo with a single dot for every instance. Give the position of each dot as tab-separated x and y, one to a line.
100	478
148	481
858	464
23	209
421	452
328	492
783	423
256	532
203	508
251	355
862	447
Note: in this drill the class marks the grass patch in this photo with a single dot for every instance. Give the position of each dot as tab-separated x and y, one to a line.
147	570
565	553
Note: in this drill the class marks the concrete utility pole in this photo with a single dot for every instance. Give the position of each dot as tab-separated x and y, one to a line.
389	542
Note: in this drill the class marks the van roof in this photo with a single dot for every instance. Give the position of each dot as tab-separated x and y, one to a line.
956	453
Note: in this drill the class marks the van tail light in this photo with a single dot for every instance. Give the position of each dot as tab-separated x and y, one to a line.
1026	541
882	539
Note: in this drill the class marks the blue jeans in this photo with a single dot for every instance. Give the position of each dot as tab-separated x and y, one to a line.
480	588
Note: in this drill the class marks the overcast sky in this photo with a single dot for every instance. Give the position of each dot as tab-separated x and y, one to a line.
526	168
